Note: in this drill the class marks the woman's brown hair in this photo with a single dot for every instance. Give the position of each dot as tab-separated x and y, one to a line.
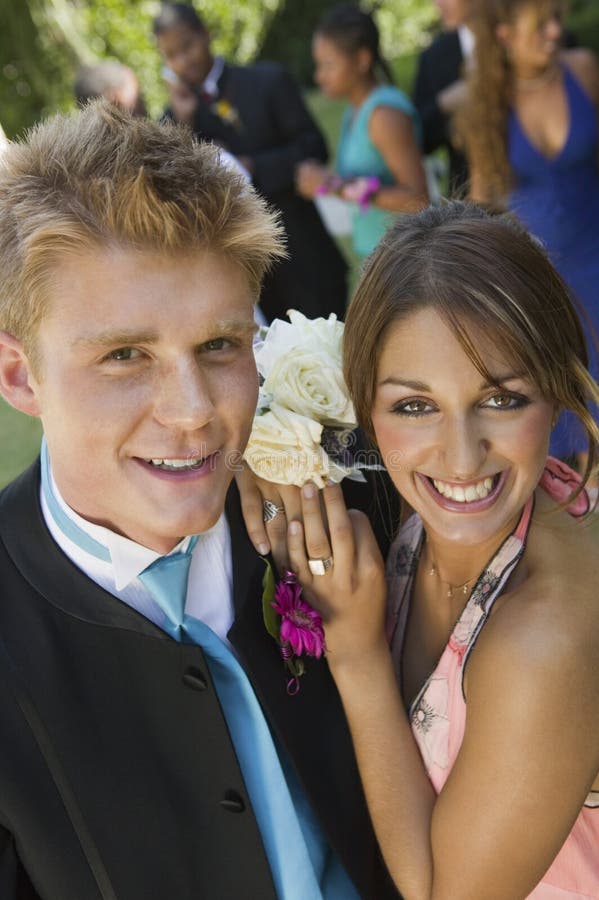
481	126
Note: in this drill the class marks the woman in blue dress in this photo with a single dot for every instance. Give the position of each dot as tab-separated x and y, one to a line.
532	137
379	164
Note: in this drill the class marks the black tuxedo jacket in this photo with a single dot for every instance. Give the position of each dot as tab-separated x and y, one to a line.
439	65
118	778
271	125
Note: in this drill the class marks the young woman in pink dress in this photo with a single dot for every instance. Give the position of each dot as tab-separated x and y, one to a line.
472	692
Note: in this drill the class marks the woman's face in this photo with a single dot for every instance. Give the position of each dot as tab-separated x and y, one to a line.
186	52
464	453
336	72
532	39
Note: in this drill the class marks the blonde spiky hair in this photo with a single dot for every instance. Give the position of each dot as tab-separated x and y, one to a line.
100	178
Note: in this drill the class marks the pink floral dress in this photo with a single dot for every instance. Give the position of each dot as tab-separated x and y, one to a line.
438	713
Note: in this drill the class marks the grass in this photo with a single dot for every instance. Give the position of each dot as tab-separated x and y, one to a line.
19	442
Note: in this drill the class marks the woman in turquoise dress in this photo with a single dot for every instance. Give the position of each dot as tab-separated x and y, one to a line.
532	135
379	165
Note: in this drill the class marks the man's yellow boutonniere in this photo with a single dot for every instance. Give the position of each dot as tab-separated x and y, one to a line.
225	111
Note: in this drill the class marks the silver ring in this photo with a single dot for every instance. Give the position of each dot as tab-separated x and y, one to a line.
320	566
270	511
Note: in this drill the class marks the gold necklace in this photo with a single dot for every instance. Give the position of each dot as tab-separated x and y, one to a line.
530	84
452	588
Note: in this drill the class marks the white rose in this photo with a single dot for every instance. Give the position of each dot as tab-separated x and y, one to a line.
311	384
315	335
284	447
301	365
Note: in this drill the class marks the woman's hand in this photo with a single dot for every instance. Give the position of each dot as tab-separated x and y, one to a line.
309	177
351	594
183	102
268	536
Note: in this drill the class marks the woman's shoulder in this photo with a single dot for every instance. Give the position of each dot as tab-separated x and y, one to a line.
552	609
390	96
543	636
584	65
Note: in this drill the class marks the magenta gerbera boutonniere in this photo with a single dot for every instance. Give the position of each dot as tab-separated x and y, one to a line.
294	624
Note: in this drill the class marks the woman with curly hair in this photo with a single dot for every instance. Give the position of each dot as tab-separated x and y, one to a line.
530	128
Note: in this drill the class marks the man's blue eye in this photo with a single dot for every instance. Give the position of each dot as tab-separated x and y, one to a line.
216	344
124	353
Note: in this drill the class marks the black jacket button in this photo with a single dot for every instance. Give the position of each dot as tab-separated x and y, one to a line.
195	679
233	802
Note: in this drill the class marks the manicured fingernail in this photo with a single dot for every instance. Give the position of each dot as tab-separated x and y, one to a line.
263	549
294	528
308	491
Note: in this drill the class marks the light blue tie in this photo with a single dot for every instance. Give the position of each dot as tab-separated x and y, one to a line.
298	857
166	579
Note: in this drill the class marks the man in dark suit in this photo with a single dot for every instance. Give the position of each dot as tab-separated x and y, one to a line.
439	87
149	747
257	113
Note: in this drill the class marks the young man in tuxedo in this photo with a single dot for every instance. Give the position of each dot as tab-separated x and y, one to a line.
149	747
257	113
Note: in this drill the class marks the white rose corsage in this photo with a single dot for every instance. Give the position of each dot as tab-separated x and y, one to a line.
304	430
304	424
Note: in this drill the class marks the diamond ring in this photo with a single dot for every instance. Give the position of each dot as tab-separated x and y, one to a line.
320	566
270	511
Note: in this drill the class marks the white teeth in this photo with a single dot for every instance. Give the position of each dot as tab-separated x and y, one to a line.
477	491
192	462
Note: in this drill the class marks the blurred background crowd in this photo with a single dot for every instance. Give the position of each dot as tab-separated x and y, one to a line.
343	116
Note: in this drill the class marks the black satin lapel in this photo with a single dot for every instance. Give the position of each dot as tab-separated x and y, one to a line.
40	560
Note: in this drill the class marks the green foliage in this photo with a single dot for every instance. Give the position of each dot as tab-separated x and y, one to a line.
19	442
34	65
42	42
584	23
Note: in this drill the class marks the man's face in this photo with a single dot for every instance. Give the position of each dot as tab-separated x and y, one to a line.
146	388
187	53
452	12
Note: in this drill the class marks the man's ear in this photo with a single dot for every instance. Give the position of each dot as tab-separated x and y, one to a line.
364	60
17	383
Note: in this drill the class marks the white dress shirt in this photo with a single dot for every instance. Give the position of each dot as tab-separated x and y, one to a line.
210	585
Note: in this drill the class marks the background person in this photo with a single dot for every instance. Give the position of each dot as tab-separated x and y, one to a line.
133	648
439	87
113	81
493	650
379	134
531	132
257	113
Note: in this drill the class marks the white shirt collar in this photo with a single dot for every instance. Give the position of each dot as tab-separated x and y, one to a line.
128	558
466	38
210	83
